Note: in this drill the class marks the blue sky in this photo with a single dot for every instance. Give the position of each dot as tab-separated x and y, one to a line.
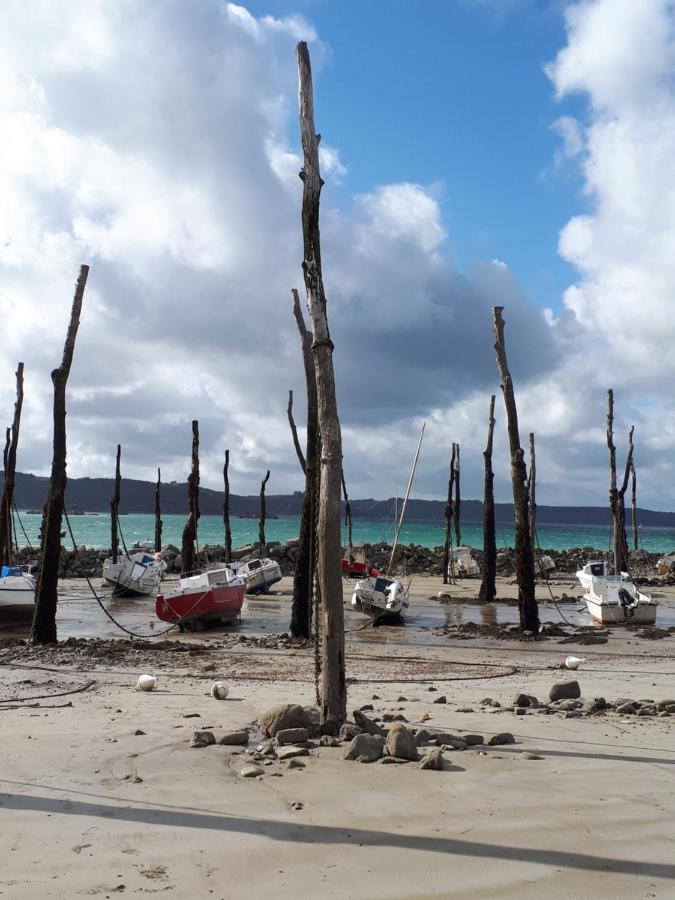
454	93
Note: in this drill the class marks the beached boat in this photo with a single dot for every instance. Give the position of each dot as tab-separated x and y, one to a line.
354	563
138	573
213	596
259	574
462	562
381	596
543	565
596	569
17	590
615	600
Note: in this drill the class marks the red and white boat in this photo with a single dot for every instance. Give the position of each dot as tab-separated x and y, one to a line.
354	562
210	597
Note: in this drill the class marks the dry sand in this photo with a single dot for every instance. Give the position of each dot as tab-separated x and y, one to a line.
89	808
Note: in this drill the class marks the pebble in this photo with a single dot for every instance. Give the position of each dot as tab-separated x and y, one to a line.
138	732
251	771
202	739
472	739
235	739
441	699
328	740
505	737
432	759
294	763
292	736
527	755
565	690
291	752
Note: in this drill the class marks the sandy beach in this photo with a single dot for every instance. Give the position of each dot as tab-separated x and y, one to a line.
102	794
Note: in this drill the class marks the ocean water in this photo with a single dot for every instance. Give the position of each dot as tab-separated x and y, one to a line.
94	531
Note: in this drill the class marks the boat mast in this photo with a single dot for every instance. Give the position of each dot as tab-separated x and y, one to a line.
399	524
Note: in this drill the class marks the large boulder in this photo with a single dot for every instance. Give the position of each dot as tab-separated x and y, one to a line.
400	742
279	718
565	690
365	748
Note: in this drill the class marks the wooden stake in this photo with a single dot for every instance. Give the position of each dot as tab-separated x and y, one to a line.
46	598
488	584
262	543
633	506
532	493
226	509
115	507
348	510
448	517
457	505
334	686
527	603
190	530
158	514
616	496
294	432
9	460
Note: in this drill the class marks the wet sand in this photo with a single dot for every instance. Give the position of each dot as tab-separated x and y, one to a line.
89	808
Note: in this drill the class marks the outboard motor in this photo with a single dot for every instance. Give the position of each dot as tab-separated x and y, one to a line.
628	603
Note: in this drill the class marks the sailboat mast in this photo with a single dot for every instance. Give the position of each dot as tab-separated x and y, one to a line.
399	524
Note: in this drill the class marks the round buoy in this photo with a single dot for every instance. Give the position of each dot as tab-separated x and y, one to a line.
219	690
146	683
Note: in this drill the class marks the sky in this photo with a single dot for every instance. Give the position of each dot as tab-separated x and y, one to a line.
475	152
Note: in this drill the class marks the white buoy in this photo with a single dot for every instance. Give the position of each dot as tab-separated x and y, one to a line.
219	690
573	662
146	683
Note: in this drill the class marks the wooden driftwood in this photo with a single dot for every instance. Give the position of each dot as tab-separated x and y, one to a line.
9	461
190	530
44	619
333	685
488	584
527	603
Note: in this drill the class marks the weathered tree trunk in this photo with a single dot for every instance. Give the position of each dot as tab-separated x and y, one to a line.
348	510
334	686
190	530
488	584
532	491
294	432
616	496
158	513
226	509
46	598
527	602
9	460
633	507
262	543
115	507
457	505
303	583
448	518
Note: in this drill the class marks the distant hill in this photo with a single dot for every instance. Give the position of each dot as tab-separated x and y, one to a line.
93	495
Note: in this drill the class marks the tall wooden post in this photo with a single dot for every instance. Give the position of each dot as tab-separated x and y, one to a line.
190	530
633	507
348	510
158	513
115	507
333	686
457	505
262	543
616	496
448	518
46	598
303	582
532	491
527	603
9	460
226	509
488	584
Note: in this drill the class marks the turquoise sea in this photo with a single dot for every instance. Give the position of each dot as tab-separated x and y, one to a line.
93	530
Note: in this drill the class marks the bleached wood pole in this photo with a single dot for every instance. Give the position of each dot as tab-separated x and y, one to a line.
226	508
303	583
9	460
262	543
448	518
527	603
457	505
187	553
488	584
115	507
158	513
333	685
46	597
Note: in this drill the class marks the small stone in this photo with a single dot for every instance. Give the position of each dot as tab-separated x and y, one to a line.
251	771
297	805
202	739
565	690
138	732
573	714
265	749
441	699
566	705
504	737
465	709
521	700
473	739
627	709
136	779
375	697
367	707
192	716
422	737
294	763
234	739
291	752
327	740
365	748
367	724
402	699
432	688
519	711
432	759
488	701
401	743
595	705
348	731
279	718
527	755
423	718
292	736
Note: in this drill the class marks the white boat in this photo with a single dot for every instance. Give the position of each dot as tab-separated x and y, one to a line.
615	600
596	569
17	590
259	574
216	595
382	596
147	546
462	562
139	573
543	565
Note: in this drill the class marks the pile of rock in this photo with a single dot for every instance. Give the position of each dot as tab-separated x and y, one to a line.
565	698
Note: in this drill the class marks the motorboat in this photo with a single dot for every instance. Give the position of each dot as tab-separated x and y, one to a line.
139	573
543	565
462	562
214	596
259	574
17	590
380	596
615	600
597	569
354	563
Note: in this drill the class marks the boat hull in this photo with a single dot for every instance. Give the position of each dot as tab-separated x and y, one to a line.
259	580
614	614
220	603
383	599
17	595
129	576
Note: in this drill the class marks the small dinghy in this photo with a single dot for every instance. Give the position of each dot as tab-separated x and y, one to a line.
139	573
17	590
213	596
615	600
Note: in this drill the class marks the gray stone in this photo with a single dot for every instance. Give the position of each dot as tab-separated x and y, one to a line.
401	743
454	745
567	705
441	699
665	704
367	724
526	754
520	711
472	739
504	738
422	737
266	748
565	690
595	705
235	739
294	763
432	759
524	700
251	771
292	736
202	739
279	718
327	740
627	709
348	731
291	752
573	714
365	748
